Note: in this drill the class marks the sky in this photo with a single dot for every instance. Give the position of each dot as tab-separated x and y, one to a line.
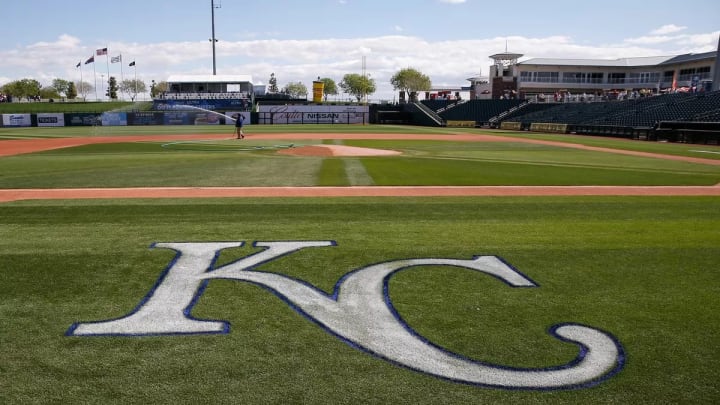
299	40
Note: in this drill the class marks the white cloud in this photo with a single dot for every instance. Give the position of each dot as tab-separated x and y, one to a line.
651	40
681	43
668	29
453	1
447	63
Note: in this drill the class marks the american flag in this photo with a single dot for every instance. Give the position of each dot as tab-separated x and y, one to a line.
101	52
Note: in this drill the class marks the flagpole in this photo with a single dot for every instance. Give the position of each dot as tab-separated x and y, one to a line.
107	62
95	79
81	81
135	68
122	78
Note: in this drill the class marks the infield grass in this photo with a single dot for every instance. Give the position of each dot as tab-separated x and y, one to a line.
422	162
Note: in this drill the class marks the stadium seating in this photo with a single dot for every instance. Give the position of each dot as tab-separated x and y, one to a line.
635	118
640	112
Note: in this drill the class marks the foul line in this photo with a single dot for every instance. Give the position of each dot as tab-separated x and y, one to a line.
8	195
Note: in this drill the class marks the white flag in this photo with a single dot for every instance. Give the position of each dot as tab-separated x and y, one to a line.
116	59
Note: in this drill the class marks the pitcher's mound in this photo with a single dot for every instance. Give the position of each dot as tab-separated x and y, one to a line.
336	150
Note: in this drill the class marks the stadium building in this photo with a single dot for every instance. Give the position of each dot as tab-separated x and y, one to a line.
545	79
212	92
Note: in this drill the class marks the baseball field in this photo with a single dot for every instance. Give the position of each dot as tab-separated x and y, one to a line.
356	264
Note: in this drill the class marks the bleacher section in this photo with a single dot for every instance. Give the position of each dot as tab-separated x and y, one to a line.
636	118
642	112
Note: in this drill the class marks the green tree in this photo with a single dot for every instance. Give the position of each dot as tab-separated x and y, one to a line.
71	93
295	90
357	85
158	88
132	88
410	81
329	87
61	86
272	84
48	93
22	88
112	89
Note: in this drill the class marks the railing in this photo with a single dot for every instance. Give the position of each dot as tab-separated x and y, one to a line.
503	114
689	77
646	81
203	96
450	106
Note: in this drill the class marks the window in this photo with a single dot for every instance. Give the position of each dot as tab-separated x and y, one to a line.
616	78
643	77
582	77
540	77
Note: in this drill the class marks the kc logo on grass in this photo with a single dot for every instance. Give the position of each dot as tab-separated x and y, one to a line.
359	312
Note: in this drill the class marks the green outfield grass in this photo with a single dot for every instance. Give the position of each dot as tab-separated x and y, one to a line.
71	107
643	269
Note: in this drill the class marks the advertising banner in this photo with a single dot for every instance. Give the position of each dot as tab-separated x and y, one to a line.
202	104
81	119
51	120
114	119
313	114
207	118
145	118
16	120
177	118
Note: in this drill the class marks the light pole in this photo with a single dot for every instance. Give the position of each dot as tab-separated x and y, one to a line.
213	40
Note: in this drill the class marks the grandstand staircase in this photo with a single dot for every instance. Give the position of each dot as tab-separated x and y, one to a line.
451	106
424	115
494	120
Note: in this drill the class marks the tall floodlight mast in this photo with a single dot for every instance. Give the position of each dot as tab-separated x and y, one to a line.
213	40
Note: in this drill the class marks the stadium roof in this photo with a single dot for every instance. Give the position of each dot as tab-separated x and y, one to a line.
690	57
622	62
210	79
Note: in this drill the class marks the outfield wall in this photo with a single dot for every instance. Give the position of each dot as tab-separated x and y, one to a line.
313	114
266	115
